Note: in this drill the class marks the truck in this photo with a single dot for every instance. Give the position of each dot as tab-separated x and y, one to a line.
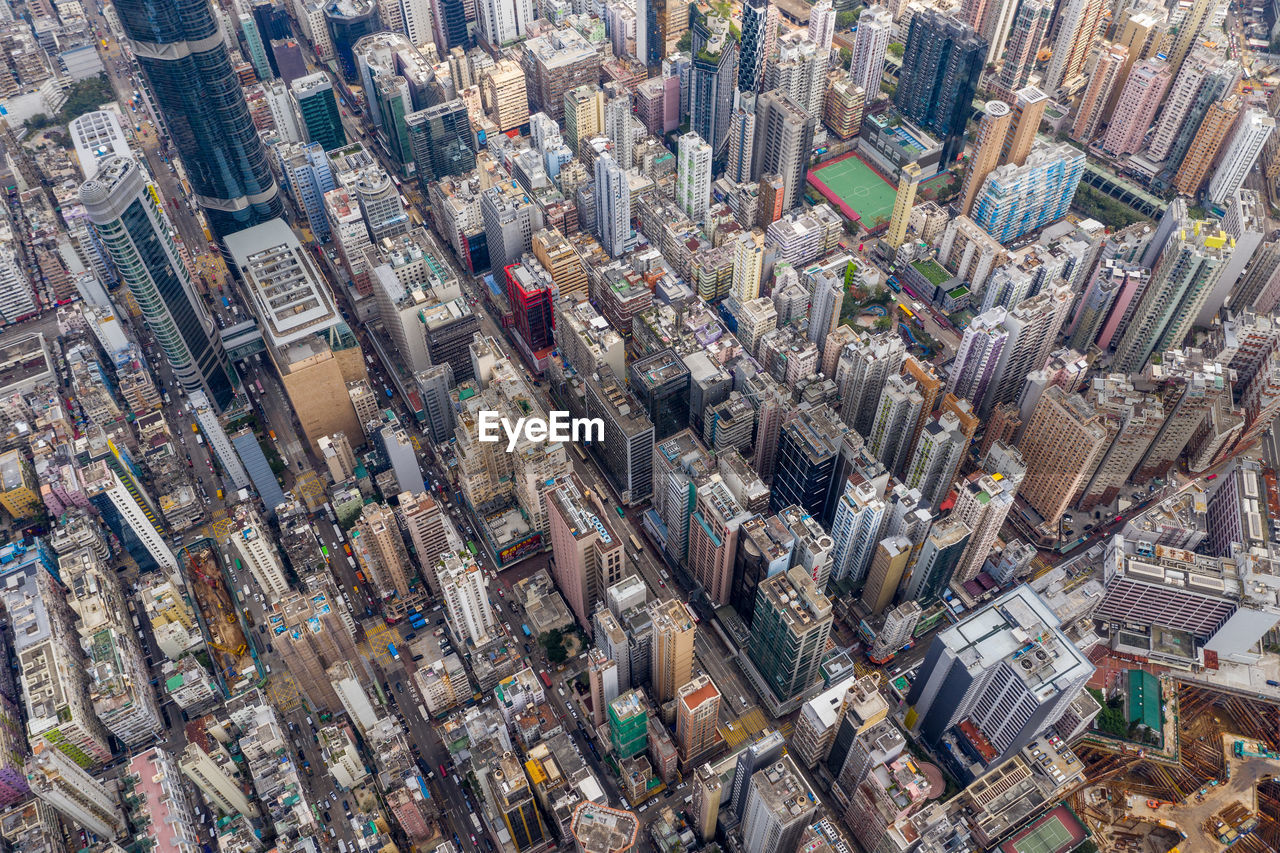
226	303
391	647
526	630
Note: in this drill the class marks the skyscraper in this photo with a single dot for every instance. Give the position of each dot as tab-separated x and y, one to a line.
693	176
1205	77
875	25
588	553
659	27
992	131
1030	23
671	664
789	632
1093	105
822	25
440	140
762	752
1062	444
977	356
1252	132
903	202
463	588
514	799
784	140
1077	31
748	266
982	504
759	31
138	237
1142	95
613	206
742	139
800	70
697	717
182	50
714	74
1028	108
617	124
779	806
318	108
1219	118
77	796
941	66
1189	31
1016	200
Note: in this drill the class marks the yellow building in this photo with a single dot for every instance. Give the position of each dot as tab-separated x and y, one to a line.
20	495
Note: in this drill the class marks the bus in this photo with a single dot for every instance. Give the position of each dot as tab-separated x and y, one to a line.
893	284
527	632
391	647
258	384
621	514
635	543
577	448
907	311
471	546
417	621
546	679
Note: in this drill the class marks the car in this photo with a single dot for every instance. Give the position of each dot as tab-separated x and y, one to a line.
399	687
1212	477
326	817
444	774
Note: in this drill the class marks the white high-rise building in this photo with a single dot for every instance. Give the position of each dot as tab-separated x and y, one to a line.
855	530
822	24
613	206
799	70
417	21
17	299
1252	132
211	768
73	793
983	503
875	26
693	176
978	355
504	21
135	518
779	806
748	265
463	588
258	552
617	126
742	139
280	105
937	457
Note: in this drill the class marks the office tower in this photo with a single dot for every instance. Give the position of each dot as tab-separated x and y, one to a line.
424	521
1205	77
861	372
784	138
846	709
1106	74
347	22
1077	32
897	411
908	181
822	25
978	355
672	663
463	588
558	257
308	175
1030	23
808	449
510	791
714	528
940	70
1132	419
73	793
1062	444
602	678
693	176
748	266
1219	118
257	551
188	69
789	631
842	112
697	717
799	71
440	141
128	512
1007	668
936	458
983	502
992	131
1142	95
613	206
629	724
760	753
888	564
707	794
588	553
1185	274
714	74
1252	132
318	108
779	806
583	114
1028	109
501	22
660	24
742	139
508	225
138	237
875	26
935	565
1016	200
1189	30
759	32
506	95
530	291
765	548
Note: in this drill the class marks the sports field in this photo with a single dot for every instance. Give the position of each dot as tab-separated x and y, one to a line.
857	189
1056	832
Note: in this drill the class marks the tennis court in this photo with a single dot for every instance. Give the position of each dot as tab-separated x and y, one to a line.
1050	835
857	189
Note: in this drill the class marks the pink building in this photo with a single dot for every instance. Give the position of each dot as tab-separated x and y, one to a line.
588	552
1142	95
157	787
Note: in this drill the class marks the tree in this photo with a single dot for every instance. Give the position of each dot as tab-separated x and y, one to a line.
883	324
844	20
896	48
686	41
846	56
553	642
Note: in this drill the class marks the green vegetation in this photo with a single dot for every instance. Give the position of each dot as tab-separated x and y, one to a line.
883	324
844	20
931	270
895	49
686	41
84	96
553	642
1086	846
1097	205
888	88
846	56
1197	212
1110	719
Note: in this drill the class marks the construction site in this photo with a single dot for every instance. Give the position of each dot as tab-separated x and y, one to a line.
228	648
1221	793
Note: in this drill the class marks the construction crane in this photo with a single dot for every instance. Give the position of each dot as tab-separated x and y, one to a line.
227	649
195	569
